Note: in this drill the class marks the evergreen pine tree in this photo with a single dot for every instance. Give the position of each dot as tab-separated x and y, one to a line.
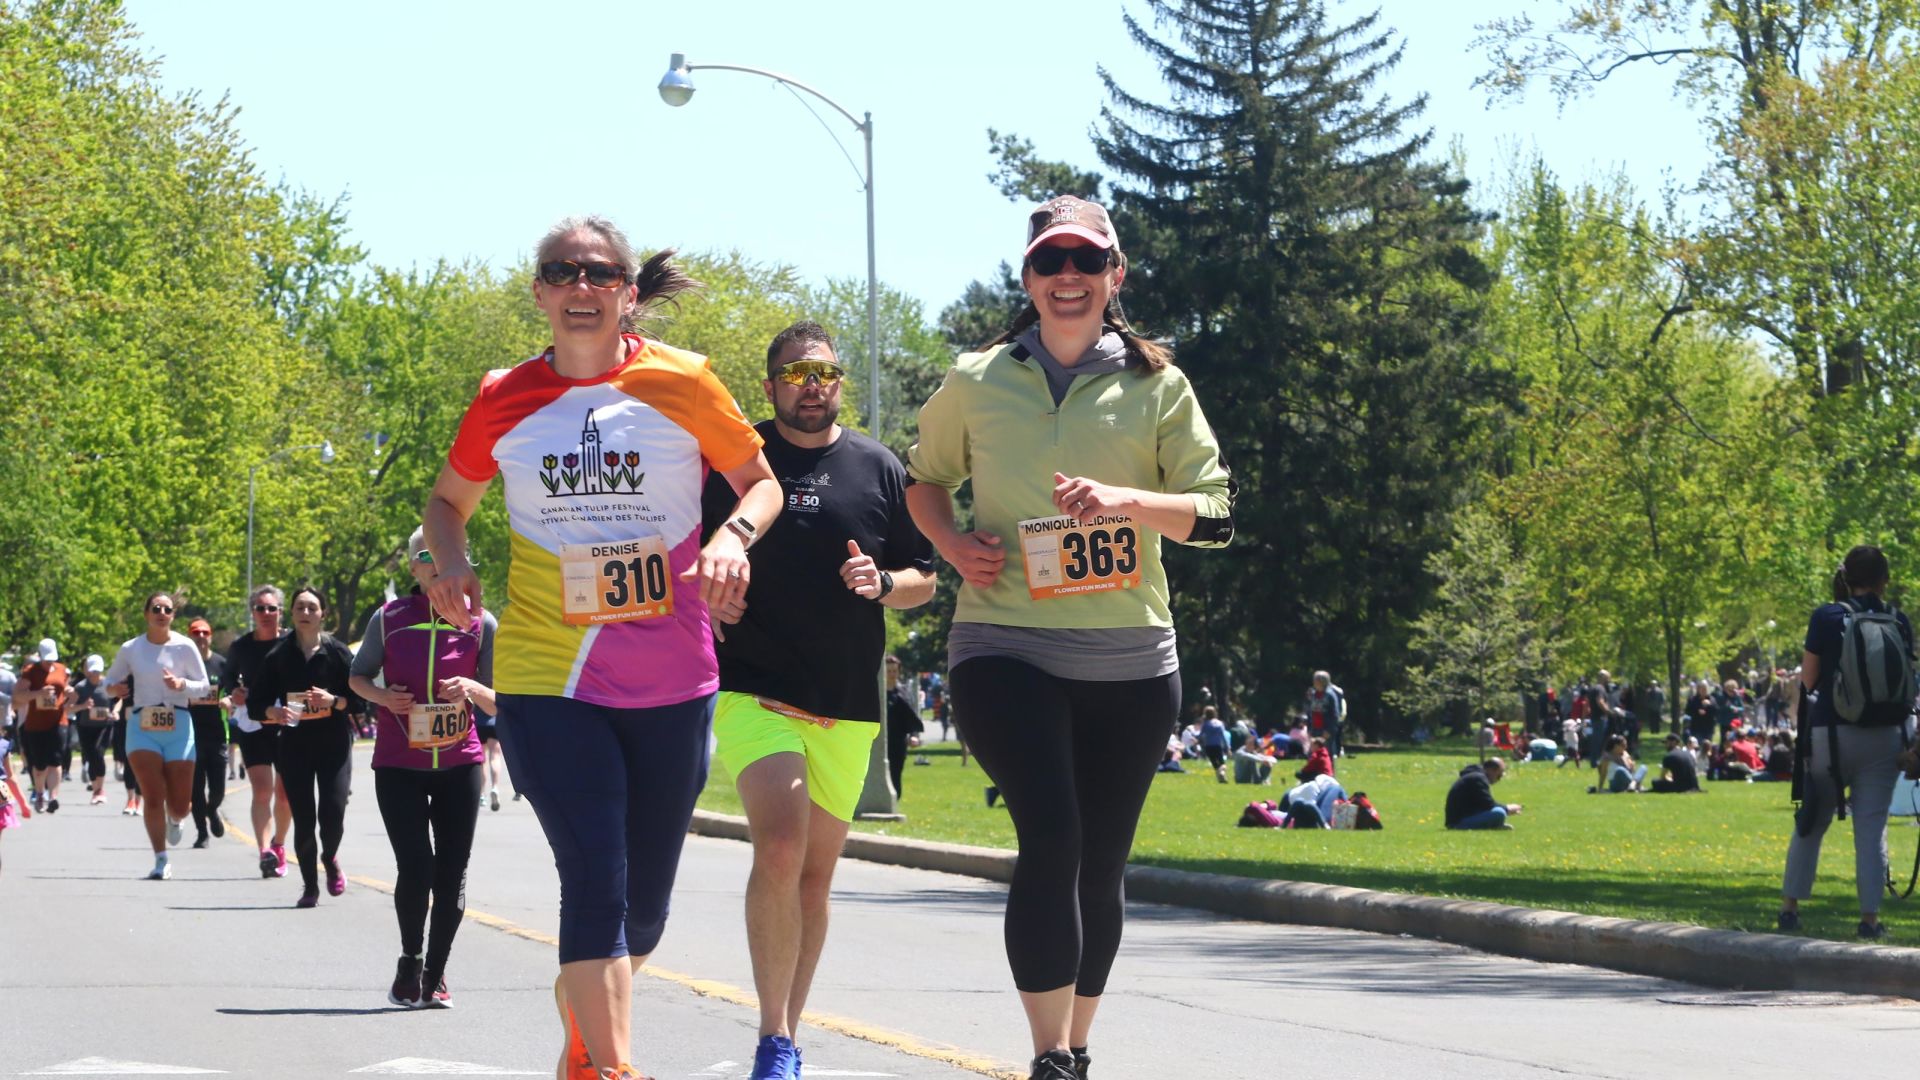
1317	274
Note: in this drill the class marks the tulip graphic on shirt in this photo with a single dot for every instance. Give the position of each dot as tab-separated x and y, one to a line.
592	469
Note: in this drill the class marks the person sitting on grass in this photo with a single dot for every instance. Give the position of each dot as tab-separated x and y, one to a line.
1779	757
1279	744
1310	806
1743	759
1297	737
1251	764
1470	802
1618	772
1679	773
1319	761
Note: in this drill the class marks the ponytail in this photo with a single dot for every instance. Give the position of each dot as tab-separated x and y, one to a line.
657	285
1841	594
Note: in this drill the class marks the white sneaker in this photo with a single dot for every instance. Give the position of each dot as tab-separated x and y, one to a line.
162	869
173	833
493	799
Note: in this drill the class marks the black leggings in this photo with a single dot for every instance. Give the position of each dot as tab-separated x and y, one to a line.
209	768
430	817
1074	761
120	757
93	748
317	753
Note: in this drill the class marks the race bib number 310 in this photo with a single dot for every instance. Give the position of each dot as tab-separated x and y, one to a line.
615	582
1069	557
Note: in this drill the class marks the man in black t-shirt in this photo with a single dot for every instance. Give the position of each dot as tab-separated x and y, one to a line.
246	663
800	705
1678	774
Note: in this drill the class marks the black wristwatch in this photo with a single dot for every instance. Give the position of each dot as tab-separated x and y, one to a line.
886	585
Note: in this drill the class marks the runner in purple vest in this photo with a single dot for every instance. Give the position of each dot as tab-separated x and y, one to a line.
426	767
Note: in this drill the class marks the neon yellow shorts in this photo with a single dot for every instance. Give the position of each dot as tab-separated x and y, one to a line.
749	728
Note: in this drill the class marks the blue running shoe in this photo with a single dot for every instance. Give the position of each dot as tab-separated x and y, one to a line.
775	1059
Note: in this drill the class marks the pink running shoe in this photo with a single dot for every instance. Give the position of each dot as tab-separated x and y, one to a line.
336	880
279	852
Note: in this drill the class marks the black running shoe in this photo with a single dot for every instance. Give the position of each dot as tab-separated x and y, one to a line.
1871	931
215	825
1053	1065
433	992
406	984
1789	922
269	866
1081	1062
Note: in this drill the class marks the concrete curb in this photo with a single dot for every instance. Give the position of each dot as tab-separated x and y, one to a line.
1695	954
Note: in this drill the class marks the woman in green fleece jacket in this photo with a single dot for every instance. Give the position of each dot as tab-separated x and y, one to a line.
1086	447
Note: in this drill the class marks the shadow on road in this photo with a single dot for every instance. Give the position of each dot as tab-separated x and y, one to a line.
313	1011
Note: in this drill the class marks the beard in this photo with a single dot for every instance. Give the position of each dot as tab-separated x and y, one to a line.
810	423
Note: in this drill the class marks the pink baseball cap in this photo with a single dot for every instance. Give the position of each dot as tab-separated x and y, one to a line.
1069	215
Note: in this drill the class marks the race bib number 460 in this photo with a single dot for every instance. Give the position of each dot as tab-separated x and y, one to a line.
1066	556
433	724
614	582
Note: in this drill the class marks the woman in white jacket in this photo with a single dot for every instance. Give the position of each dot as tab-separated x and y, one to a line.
161	670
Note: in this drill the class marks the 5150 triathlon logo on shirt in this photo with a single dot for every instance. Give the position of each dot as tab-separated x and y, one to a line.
803	492
591	470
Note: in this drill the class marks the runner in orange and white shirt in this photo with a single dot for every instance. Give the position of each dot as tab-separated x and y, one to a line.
605	656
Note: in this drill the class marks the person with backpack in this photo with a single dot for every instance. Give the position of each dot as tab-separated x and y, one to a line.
435	681
1858	671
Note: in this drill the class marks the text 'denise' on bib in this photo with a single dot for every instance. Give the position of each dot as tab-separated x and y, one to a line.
1066	556
615	581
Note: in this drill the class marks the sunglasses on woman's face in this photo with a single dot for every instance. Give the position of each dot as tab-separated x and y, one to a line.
267	609
161	609
601	275
798	372
423	556
1048	261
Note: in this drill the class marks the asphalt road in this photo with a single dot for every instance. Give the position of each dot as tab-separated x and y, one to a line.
107	974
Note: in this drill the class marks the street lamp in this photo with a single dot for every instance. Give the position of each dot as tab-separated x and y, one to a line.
676	89
326	458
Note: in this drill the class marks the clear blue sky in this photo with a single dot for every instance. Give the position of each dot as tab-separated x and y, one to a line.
462	130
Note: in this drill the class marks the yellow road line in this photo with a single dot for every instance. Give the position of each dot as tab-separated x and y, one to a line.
733	995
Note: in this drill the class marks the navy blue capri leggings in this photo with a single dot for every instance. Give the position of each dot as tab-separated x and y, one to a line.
614	791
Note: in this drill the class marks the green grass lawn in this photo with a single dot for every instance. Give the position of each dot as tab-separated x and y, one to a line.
1712	859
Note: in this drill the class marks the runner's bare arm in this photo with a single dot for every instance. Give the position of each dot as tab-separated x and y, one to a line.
455	589
722	569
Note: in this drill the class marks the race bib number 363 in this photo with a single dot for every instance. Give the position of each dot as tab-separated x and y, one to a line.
615	581
1066	556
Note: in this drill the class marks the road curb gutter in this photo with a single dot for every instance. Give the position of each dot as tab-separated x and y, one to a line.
1695	954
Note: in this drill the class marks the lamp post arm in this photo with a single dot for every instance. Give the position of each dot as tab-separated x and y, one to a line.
790	81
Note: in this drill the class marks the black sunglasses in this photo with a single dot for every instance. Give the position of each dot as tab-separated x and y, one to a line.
161	609
1048	261
601	275
266	609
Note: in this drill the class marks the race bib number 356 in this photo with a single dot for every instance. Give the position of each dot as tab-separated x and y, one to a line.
158	719
1069	557
614	582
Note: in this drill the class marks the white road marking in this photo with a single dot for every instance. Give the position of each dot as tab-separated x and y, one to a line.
413	1066
99	1066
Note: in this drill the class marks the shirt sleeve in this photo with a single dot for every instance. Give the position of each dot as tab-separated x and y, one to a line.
1190	464
119	669
373	647
483	669
907	548
472	453
943	455
195	671
727	441
271	686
